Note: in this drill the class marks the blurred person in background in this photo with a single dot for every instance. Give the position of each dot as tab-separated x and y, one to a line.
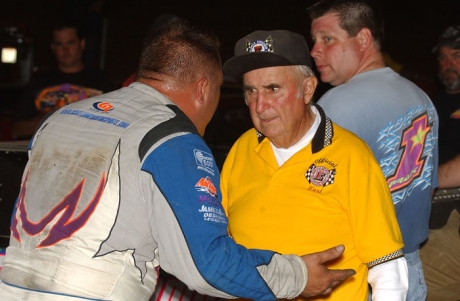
447	103
440	254
69	81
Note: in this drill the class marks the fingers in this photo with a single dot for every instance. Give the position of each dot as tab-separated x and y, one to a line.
335	278
338	276
340	249
331	254
321	280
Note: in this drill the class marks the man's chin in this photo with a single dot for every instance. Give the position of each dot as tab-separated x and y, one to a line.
451	85
324	78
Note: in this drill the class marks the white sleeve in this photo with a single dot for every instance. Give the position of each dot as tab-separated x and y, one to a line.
389	280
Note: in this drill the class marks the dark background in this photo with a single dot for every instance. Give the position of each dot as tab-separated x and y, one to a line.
412	26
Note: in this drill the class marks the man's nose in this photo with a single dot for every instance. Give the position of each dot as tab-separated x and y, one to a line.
261	103
315	51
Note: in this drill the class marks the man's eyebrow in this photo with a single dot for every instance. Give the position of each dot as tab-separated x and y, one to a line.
271	85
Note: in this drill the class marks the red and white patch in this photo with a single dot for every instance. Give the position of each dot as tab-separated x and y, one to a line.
206	185
320	175
103	106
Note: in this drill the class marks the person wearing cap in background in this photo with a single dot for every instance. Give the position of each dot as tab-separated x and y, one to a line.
297	182
447	103
395	117
440	254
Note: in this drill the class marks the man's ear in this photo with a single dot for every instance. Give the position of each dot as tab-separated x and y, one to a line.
83	43
202	90
309	87
364	37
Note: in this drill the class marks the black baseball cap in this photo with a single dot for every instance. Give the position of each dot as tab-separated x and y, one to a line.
450	38
262	49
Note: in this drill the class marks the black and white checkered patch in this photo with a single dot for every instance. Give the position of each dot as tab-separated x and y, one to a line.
320	175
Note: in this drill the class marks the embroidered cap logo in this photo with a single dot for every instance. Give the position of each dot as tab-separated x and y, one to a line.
260	46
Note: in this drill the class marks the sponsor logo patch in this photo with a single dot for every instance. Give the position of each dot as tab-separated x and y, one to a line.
320	175
88	115
103	106
206	185
212	214
209	200
204	161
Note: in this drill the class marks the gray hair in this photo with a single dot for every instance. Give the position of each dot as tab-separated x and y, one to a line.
303	72
449	38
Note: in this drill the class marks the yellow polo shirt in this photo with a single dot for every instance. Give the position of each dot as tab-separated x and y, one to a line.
328	193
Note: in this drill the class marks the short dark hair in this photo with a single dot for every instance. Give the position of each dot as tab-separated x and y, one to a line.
64	23
179	51
354	15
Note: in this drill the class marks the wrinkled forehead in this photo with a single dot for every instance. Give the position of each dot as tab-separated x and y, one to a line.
270	74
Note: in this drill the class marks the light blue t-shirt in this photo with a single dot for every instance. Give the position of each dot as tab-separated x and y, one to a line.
400	124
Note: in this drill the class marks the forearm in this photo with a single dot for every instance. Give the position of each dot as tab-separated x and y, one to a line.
449	173
389	280
286	275
190	227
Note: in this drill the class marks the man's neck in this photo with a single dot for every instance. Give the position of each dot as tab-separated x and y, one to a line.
372	61
71	69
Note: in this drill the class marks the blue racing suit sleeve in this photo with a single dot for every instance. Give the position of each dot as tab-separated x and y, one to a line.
186	173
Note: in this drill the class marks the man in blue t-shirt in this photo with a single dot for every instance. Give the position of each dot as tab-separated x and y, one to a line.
394	116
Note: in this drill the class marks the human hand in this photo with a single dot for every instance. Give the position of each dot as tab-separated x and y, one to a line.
321	280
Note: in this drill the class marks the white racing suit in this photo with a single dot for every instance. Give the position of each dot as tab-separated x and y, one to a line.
117	186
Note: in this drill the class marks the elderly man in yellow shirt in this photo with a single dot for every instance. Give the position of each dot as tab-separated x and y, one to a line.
298	183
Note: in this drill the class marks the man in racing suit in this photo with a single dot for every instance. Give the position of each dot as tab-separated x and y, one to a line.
123	183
